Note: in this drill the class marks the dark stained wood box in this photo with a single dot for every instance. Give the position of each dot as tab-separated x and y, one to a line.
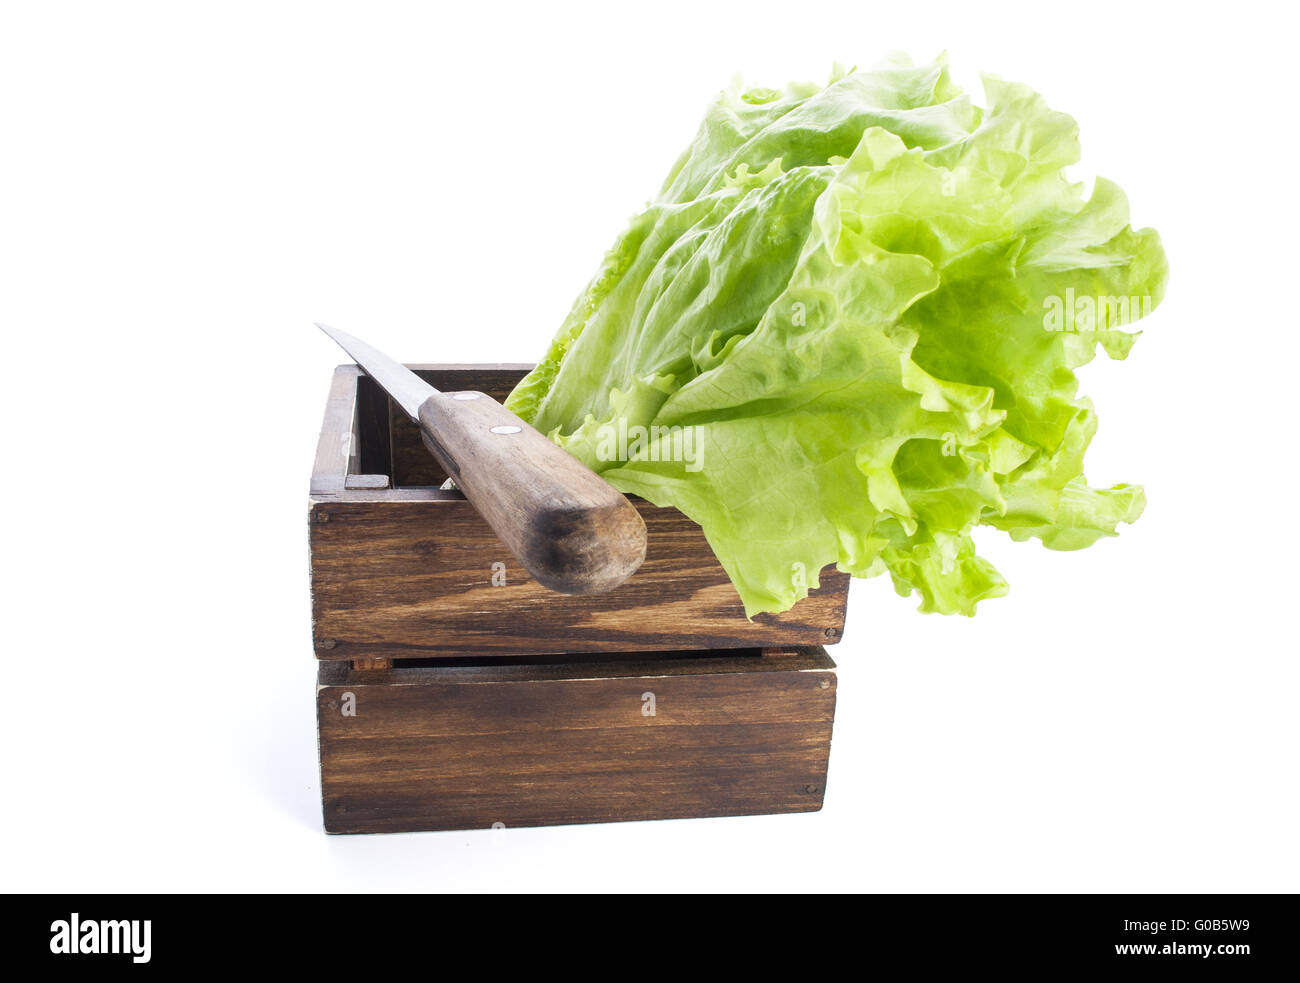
454	692
401	568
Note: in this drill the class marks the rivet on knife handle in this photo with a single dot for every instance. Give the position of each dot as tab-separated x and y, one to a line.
572	531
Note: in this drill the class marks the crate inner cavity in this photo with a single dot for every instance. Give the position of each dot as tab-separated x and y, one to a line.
387	444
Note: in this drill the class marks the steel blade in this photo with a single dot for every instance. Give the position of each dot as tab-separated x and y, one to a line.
406	388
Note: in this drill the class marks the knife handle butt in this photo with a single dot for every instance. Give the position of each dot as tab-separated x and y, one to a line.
572	531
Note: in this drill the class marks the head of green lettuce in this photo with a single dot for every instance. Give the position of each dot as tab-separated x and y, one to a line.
847	329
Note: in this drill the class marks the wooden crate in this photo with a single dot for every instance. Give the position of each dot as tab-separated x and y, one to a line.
439	744
454	692
400	568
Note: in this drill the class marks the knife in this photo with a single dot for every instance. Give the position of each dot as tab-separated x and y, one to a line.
572	530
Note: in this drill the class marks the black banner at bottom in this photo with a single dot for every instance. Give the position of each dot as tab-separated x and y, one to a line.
1223	935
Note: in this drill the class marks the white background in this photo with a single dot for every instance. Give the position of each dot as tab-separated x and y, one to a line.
186	187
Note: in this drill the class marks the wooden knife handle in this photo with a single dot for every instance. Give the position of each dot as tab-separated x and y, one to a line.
572	530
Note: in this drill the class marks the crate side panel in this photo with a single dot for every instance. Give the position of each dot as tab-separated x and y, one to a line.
450	755
405	579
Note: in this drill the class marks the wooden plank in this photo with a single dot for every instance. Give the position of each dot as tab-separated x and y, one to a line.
470	746
335	444
365	482
428	578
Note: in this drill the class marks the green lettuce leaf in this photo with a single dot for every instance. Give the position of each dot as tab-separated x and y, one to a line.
847	329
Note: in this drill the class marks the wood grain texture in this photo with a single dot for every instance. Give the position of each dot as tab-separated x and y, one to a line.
404	579
573	532
466	746
411	571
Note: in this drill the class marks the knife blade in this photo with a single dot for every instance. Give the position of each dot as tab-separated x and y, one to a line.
572	531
